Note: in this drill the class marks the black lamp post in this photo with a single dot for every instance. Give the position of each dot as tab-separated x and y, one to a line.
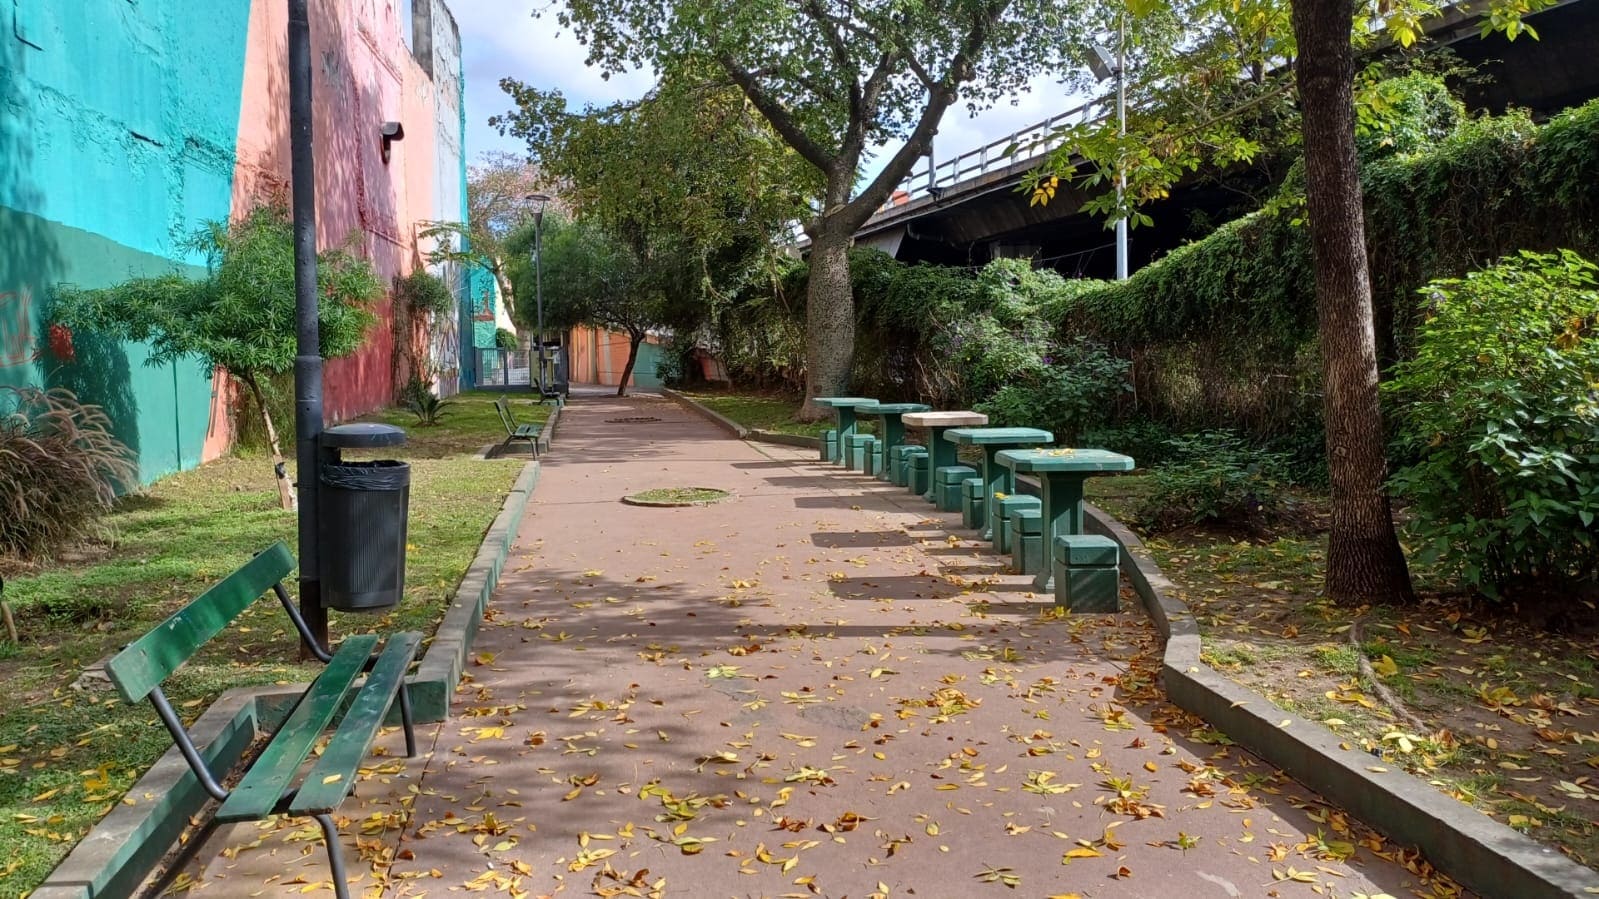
308	346
538	278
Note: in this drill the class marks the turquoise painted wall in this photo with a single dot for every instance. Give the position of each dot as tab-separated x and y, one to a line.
644	369
117	139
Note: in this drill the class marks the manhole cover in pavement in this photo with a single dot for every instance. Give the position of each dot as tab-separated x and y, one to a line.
677	496
635	420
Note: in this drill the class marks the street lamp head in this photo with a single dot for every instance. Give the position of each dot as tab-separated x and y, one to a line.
539	201
1102	63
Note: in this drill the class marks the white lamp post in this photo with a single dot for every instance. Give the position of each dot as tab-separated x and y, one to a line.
1105	66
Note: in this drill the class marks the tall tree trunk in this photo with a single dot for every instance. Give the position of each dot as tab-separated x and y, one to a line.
1364	560
279	469
829	319
634	338
507	296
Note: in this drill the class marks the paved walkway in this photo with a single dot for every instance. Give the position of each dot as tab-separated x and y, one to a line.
820	687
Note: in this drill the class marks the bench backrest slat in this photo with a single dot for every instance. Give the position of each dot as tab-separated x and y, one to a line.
147	661
504	408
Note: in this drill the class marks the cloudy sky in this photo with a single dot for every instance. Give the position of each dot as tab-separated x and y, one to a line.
502	38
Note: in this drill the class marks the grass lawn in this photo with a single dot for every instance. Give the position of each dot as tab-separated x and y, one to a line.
67	755
1512	711
767	412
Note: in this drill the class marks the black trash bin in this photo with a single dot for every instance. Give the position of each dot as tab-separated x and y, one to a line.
363	511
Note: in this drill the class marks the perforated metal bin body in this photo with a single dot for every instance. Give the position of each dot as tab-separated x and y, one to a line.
363	512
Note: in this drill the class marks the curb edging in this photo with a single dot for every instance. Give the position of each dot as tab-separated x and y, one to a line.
716	418
813	443
754	435
547	433
441	666
1471	847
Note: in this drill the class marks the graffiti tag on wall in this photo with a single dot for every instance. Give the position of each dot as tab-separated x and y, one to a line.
16	329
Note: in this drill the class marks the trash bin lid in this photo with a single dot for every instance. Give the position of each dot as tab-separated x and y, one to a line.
362	436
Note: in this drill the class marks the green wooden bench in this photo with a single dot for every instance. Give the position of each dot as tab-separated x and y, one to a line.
270	785
514	431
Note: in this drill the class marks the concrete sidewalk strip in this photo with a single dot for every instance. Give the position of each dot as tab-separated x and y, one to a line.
812	689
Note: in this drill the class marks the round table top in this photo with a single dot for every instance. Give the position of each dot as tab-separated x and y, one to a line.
1001	436
944	419
1045	461
890	408
837	401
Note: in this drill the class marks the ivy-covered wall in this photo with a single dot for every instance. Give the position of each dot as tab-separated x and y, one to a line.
1221	332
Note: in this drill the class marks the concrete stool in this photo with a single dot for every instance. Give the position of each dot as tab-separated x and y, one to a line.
999	517
879	471
830	445
917	474
860	451
1027	540
920	475
947	486
899	463
974	505
1087	569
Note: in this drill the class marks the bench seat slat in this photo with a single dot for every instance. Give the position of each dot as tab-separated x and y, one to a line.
334	774
267	780
147	661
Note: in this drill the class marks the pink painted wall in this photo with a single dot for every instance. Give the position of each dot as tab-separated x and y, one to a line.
364	74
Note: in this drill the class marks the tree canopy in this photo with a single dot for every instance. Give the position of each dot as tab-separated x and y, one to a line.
684	194
833	80
1305	46
239	318
590	277
498	192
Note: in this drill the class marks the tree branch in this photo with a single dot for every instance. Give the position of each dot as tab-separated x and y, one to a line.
781	120
941	94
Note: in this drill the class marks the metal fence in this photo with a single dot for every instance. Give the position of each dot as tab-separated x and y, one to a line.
498	367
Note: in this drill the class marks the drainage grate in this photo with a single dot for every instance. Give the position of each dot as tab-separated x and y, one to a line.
635	420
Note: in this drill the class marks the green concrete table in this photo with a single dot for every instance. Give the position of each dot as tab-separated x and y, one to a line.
844	408
940	452
893	431
997	478
1061	473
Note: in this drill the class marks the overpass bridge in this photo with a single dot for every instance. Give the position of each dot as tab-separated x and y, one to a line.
966	209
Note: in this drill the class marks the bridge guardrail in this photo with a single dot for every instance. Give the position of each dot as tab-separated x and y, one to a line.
931	175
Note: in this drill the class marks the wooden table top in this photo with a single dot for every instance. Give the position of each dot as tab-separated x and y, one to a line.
944	419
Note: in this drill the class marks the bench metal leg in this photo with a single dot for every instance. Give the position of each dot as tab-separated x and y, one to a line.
330	835
405	719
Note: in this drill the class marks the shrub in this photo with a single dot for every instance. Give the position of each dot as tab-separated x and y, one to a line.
505	339
1066	389
1146	441
417	395
60	468
1499	413
1214	476
423	291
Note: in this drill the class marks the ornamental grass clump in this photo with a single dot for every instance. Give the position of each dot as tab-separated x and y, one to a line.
1497	415
60	469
